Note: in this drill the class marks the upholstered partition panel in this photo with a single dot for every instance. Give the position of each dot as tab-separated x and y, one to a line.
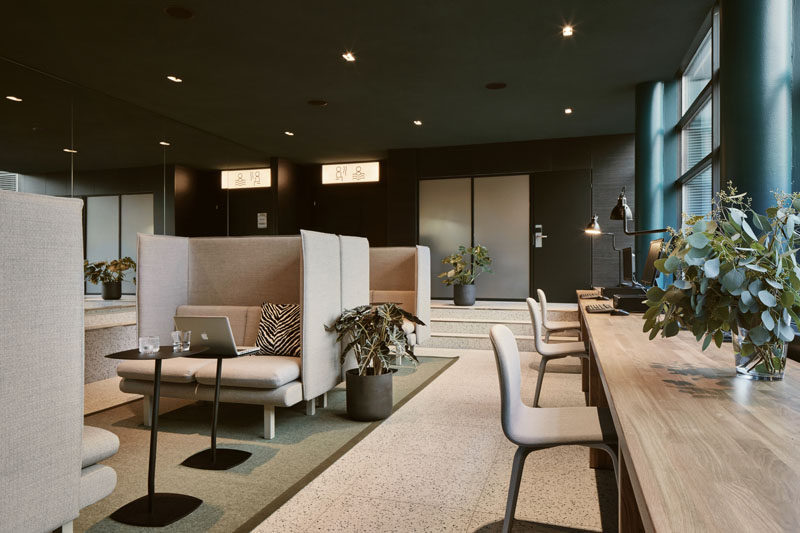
41	360
244	270
162	283
322	304
423	283
392	268
355	271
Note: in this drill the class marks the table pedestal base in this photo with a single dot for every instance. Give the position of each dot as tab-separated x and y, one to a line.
167	508
226	458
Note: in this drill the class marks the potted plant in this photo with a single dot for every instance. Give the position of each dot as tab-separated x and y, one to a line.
467	264
736	272
376	338
110	274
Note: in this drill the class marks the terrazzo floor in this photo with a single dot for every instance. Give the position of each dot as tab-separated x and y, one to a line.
442	463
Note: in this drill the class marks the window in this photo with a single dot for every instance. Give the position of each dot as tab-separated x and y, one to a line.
698	137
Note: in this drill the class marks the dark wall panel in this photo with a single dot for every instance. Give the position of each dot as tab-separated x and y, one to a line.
200	209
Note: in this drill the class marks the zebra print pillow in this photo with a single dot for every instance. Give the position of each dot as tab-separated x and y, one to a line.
279	329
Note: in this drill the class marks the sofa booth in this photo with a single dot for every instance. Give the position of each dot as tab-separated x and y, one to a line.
50	465
402	275
233	276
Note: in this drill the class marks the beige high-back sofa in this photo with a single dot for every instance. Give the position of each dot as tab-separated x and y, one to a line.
402	275
233	276
50	463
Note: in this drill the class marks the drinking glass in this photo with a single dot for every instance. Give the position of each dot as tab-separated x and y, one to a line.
186	340
149	344
176	341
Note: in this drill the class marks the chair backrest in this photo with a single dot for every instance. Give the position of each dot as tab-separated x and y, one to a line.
543	304
536	320
506	356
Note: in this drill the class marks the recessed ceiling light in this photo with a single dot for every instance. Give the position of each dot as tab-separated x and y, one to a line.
318	103
163	143
568	111
567	31
418	123
289	133
14	98
175	79
70	151
349	57
495	85
179	12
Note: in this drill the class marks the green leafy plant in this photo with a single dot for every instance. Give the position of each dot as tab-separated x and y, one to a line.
108	271
467	264
375	336
736	271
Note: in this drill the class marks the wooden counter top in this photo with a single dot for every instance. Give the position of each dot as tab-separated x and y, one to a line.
704	450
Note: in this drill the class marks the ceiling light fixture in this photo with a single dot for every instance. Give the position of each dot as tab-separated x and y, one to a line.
179	12
163	143
418	123
318	103
568	111
289	133
70	151
175	79
495	85
349	57
567	31
14	98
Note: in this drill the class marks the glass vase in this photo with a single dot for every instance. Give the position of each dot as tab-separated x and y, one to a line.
766	363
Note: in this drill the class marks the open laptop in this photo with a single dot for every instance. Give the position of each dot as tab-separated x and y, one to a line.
214	332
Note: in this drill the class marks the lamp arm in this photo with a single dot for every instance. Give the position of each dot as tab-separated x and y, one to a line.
614	241
640	232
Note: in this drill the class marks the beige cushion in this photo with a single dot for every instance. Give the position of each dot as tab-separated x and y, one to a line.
251	326
287	395
258	372
98	445
97	482
408	326
178	370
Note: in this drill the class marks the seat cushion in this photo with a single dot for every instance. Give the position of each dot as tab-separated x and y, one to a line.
408	326
178	370
562	326
561	425
97	445
279	329
97	482
562	348
257	372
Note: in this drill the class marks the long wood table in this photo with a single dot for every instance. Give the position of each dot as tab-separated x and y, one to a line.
700	449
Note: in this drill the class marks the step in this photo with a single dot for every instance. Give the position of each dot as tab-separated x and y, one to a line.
498	315
471	325
474	341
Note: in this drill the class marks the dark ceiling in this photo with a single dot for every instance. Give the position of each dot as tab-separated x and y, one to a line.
250	67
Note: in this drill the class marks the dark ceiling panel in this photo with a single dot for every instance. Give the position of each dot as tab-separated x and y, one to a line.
249	67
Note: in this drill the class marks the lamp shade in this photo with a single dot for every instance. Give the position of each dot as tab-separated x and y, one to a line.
621	211
593	227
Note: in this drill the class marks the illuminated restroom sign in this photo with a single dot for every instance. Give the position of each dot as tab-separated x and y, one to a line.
251	178
351	172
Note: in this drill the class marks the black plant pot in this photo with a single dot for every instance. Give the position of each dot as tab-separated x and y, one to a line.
112	290
369	397
464	294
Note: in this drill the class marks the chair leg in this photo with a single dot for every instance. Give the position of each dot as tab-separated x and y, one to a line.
311	407
322	400
147	411
542	365
269	422
513	486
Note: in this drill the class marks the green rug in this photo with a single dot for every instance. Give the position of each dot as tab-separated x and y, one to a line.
241	498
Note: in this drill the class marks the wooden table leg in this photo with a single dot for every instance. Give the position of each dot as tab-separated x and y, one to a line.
630	520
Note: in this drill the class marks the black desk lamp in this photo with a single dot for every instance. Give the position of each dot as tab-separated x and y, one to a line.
593	228
622	212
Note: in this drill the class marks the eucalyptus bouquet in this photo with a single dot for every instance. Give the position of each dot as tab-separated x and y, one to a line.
375	335
467	264
736	272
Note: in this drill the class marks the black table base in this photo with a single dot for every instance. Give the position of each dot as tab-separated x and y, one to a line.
225	458
166	509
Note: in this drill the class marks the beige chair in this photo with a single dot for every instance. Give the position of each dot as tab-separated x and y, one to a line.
538	429
552	326
49	468
549	351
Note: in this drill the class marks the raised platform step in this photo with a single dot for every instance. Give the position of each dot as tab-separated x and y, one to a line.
475	341
472	325
568	365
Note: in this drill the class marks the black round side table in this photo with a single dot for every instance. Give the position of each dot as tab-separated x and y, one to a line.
213	458
156	509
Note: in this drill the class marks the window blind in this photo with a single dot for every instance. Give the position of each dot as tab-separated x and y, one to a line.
697	194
